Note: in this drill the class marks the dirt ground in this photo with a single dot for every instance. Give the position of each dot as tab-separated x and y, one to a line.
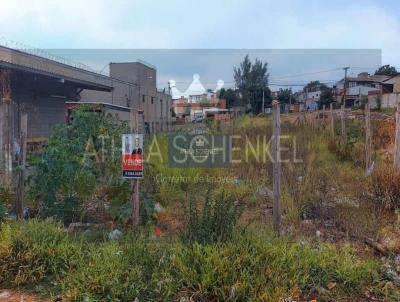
14	296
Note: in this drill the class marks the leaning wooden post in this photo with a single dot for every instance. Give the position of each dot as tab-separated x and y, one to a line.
368	140
276	153
332	120
396	151
343	124
135	202
310	120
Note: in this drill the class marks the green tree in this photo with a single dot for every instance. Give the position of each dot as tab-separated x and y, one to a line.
230	96
285	96
386	70
251	79
326	96
314	86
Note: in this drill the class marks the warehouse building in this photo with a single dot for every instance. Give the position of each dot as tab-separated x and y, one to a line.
44	89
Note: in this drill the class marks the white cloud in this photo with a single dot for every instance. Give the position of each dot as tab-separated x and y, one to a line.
74	24
205	24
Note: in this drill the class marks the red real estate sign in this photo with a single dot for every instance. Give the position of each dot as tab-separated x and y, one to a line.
132	156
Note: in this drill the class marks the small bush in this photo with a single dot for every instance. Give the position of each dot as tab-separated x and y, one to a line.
35	250
213	221
353	149
385	187
383	133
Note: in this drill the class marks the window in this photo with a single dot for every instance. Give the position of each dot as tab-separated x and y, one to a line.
143	98
152	100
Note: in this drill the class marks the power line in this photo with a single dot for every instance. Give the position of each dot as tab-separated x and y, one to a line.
272	79
307	73
275	81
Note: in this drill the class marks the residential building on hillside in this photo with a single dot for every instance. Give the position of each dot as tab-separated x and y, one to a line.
309	100
185	110
361	86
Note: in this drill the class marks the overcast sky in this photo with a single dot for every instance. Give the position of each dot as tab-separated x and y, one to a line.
130	24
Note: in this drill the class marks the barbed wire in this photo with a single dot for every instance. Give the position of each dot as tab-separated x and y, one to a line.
45	54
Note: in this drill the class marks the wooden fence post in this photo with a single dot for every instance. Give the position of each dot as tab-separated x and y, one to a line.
276	153
368	139
343	124
332	120
135	202
396	151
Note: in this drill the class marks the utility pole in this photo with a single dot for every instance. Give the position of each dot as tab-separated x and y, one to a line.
345	85
276	153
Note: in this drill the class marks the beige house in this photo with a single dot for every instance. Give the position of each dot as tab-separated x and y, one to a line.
375	88
134	86
388	95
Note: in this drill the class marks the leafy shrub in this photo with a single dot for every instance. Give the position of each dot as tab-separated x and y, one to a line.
353	148
147	211
80	162
213	221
